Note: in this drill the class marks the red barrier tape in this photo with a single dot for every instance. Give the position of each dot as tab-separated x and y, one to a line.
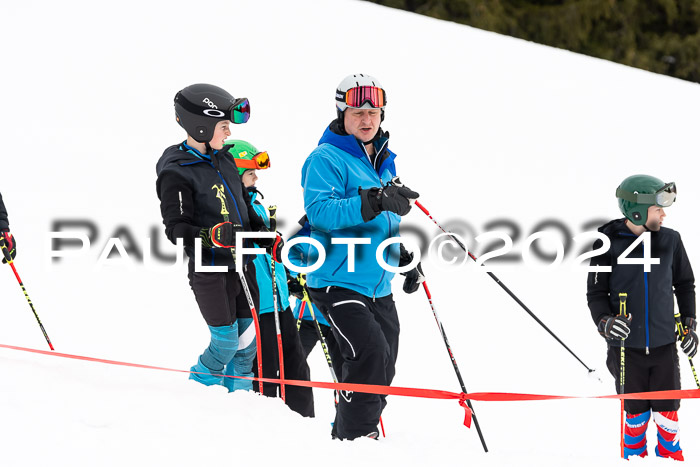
397	390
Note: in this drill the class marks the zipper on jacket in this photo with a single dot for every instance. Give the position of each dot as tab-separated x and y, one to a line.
646	308
233	198
374	293
646	302
374	171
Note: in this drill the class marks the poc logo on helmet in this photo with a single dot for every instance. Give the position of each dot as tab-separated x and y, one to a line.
209	103
213	111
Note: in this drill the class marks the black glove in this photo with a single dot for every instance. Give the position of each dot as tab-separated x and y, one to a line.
389	198
689	341
294	286
414	277
615	327
272	245
9	249
222	235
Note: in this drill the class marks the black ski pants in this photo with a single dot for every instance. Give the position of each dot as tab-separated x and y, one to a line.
309	335
299	399
220	295
658	371
364	346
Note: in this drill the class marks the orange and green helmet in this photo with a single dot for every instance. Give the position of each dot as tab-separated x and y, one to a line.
246	156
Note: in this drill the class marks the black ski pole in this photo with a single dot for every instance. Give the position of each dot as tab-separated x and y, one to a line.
9	260
278	329
623	312
503	286
324	346
454	363
682	331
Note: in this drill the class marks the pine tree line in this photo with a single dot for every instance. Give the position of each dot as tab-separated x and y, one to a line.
662	36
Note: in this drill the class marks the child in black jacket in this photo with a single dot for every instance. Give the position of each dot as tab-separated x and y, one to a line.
631	302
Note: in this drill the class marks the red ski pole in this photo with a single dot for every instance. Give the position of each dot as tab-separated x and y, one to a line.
301	313
9	260
254	312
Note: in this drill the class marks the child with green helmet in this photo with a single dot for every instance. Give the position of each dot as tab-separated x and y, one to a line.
631	302
300	399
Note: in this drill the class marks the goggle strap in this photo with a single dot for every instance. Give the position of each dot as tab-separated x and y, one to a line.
639	198
252	163
644	198
202	111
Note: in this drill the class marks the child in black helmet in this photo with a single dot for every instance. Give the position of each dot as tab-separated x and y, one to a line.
632	305
202	199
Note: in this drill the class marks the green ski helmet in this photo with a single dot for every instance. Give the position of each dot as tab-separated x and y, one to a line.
246	156
637	192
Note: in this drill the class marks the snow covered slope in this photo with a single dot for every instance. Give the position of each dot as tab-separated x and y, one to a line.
494	132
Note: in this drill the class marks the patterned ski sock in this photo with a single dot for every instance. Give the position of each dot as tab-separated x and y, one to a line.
242	363
635	434
668	435
222	347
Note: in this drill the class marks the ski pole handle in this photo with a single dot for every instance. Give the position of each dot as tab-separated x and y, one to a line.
623	304
273	218
5	251
396	181
682	331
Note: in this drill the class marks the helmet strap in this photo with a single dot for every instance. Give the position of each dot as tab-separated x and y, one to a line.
341	120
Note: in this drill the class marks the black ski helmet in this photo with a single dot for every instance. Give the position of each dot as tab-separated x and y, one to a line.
199	107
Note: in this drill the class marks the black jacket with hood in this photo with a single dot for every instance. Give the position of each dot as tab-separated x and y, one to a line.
198	191
649	294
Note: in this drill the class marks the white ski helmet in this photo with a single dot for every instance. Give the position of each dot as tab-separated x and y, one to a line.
360	92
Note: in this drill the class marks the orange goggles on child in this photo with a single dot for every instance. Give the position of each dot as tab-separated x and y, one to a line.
259	161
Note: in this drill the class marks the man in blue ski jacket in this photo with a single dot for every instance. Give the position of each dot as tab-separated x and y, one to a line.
349	197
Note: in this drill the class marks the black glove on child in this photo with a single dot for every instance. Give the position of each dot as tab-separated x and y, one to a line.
294	286
273	246
10	249
222	235
689	341
392	198
615	327
414	277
